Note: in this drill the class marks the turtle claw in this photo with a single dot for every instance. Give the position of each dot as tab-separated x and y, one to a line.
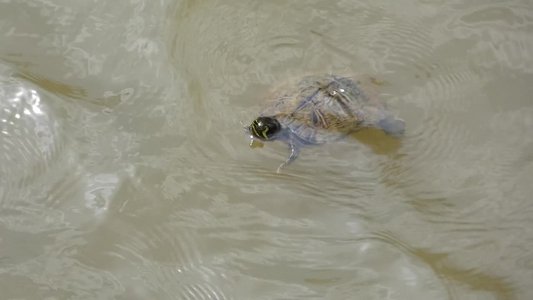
284	164
295	150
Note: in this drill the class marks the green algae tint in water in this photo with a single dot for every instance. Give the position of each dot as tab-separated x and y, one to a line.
125	171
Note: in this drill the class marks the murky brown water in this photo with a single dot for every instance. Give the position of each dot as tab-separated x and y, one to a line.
125	172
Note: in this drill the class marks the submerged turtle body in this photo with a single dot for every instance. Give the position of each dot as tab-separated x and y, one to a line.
320	109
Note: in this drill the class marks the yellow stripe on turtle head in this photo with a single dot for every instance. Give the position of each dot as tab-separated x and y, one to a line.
264	133
254	129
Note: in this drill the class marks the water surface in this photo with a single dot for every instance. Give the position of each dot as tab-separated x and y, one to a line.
125	172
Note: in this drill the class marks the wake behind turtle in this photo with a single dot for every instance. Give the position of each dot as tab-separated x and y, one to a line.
321	108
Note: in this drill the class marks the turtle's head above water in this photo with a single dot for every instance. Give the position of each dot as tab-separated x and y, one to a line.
265	128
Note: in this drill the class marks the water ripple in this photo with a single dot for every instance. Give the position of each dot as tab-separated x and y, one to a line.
31	135
500	35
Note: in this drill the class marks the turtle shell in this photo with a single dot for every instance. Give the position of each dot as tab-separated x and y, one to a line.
323	108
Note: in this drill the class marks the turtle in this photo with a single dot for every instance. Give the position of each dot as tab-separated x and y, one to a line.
318	109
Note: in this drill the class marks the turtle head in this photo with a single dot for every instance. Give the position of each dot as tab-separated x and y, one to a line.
265	128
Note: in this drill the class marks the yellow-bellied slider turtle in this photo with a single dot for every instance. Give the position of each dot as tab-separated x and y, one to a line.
320	109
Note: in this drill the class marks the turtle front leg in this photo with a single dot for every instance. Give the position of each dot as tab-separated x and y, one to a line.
295	150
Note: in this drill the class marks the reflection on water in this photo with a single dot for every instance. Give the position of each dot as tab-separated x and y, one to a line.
125	172
28	132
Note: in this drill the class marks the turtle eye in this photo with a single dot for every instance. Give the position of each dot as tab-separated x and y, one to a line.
265	128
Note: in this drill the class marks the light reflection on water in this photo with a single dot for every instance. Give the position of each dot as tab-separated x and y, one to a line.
125	172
